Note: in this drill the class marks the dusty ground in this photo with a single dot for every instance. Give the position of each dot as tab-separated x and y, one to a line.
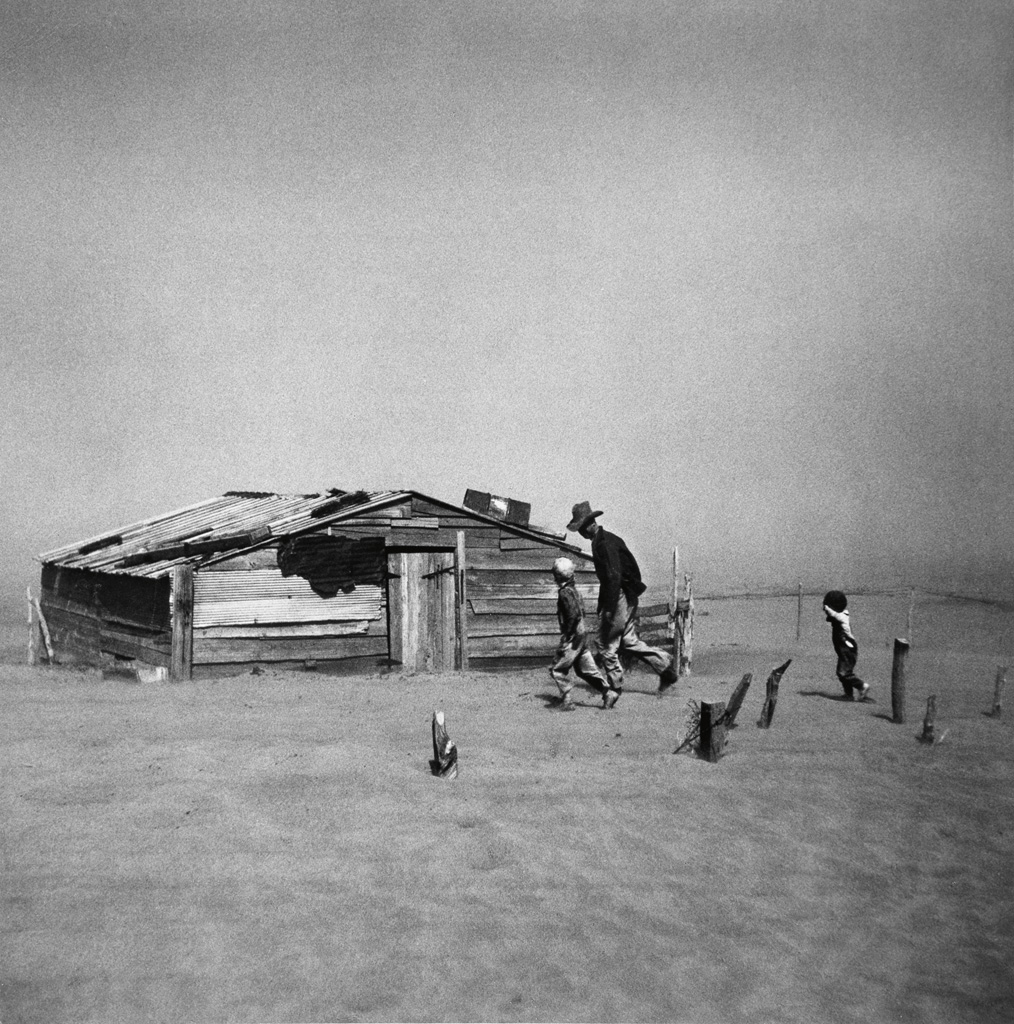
273	848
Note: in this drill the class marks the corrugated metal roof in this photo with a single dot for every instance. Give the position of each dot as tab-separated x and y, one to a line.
230	515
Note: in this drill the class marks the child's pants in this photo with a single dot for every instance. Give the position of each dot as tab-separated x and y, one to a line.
579	658
847	659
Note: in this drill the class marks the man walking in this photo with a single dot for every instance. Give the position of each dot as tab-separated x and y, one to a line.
619	588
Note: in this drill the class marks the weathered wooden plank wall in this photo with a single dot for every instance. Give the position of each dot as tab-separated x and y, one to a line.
91	614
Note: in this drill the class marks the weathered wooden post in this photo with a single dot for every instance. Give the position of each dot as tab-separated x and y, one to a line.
799	612
927	722
674	605
685	627
712	735
736	700
44	627
1001	682
33	643
771	696
445	754
461	602
182	652
898	681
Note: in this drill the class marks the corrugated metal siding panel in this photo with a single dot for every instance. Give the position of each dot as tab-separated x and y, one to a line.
265	595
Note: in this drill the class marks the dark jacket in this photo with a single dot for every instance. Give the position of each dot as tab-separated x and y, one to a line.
616	569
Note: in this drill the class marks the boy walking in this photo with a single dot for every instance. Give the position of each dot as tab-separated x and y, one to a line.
845	645
573	651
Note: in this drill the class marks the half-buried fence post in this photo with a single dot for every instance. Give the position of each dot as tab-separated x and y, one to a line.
445	754
736	700
712	735
927	722
898	681
1001	681
771	695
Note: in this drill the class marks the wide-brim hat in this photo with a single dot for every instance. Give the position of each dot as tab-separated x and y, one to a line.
581	514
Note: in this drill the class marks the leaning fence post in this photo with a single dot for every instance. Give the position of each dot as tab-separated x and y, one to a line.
898	681
44	626
445	752
736	700
771	696
1001	681
33	643
799	612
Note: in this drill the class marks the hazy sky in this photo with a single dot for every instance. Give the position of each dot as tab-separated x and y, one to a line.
739	273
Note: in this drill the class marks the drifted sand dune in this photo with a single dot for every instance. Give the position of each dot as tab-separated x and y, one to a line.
274	848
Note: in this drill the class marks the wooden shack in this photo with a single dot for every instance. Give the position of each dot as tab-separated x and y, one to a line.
339	581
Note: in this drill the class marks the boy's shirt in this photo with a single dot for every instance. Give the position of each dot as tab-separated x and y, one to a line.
841	629
570	613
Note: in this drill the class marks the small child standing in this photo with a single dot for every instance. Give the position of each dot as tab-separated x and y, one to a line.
573	651
845	645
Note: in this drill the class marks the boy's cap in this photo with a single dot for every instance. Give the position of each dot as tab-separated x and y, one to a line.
581	514
836	600
564	567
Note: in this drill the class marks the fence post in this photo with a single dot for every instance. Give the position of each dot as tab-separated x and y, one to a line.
799	613
1001	680
674	603
33	642
461	601
898	681
712	735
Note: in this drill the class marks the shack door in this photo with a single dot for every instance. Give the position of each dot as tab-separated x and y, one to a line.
421	607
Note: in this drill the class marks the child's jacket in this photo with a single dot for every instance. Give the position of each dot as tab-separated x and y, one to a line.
570	612
841	631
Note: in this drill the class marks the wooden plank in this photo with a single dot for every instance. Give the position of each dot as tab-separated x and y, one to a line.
126	646
416	523
493	646
291	630
533	558
297	649
422	540
653	611
182	623
509	606
511	543
483	590
495	579
519	625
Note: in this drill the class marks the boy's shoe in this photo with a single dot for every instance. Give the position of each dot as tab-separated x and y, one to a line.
863	690
609	699
667	678
565	704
